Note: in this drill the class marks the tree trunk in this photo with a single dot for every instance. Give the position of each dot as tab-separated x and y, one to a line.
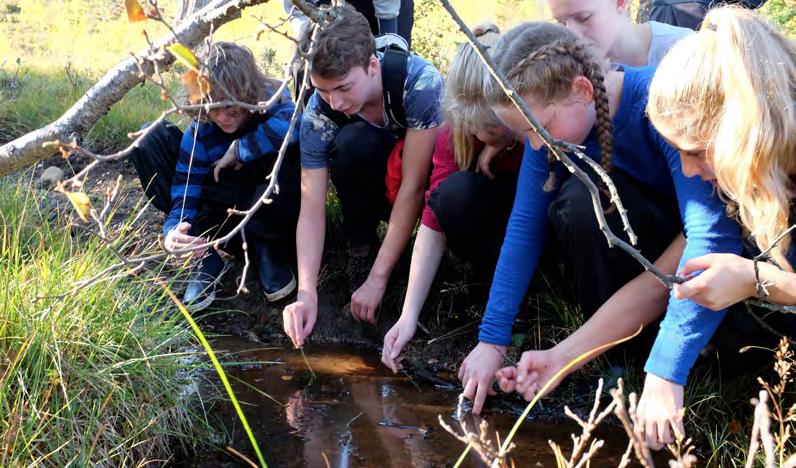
111	88
188	7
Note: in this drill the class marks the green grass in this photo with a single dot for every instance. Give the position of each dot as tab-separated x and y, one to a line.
95	378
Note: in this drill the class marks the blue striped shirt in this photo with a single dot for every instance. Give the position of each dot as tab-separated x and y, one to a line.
204	143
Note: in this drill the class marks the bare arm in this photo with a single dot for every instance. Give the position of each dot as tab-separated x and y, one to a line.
426	256
416	162
299	317
415	168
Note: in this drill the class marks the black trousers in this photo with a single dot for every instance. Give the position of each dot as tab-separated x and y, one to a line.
598	269
155	160
358	167
473	212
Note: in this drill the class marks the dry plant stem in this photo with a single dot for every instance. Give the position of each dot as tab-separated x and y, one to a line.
557	148
245	245
588	426
627	416
478	439
625	461
761	431
762	292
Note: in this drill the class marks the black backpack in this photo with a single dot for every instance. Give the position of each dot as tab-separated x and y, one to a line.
393	78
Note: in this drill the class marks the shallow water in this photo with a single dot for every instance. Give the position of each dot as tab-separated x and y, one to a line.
353	412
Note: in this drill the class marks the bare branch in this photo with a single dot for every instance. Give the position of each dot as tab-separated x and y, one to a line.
559	149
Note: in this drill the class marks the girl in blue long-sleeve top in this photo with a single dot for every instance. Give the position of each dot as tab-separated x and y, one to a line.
571	93
725	100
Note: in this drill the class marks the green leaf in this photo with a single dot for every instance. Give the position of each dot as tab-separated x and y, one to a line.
184	56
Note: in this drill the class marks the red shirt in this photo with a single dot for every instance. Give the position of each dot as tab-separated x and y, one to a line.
444	164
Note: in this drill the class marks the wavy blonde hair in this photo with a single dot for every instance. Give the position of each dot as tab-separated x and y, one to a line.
466	110
730	88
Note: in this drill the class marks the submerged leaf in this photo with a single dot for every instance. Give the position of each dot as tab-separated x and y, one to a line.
81	203
184	56
135	12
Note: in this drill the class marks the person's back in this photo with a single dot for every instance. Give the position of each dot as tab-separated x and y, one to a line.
353	130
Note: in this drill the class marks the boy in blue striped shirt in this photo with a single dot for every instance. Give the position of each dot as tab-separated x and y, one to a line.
221	162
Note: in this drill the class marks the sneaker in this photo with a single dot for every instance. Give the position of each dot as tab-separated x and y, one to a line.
360	260
276	278
201	290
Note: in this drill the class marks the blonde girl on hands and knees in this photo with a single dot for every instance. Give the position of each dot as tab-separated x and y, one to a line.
572	94
725	99
476	160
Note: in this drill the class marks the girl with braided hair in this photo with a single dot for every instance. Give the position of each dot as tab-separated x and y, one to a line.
566	85
724	98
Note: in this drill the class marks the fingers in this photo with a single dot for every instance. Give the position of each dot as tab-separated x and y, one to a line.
695	264
469	389
507	379
370	314
309	324
689	289
387	352
480	394
216	171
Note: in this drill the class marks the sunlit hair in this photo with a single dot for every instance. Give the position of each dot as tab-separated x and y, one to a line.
234	74
466	110
730	88
343	44
542	60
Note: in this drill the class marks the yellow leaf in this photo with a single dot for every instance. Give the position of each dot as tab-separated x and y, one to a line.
135	12
81	203
184	56
196	85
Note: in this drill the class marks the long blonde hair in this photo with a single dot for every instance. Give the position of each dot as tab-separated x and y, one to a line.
731	88
464	105
543	59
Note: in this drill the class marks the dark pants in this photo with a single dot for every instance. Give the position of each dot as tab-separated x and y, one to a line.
600	270
156	158
358	167
406	20
686	15
473	212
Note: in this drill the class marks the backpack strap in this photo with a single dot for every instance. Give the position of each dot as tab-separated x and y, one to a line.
393	78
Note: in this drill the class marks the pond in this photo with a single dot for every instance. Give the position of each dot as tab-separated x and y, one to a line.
350	411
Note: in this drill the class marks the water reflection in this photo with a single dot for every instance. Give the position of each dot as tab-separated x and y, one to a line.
353	413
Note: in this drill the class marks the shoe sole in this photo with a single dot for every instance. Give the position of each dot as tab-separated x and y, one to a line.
204	304
282	293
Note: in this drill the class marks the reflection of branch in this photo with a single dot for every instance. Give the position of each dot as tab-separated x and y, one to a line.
559	149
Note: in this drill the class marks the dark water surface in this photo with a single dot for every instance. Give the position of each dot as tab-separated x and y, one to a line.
354	413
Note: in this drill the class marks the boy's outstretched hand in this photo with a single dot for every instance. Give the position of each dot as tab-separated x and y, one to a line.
299	319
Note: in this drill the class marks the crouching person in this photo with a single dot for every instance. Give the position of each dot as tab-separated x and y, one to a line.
366	104
221	162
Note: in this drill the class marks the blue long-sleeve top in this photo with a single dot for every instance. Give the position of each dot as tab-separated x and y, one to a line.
259	137
642	153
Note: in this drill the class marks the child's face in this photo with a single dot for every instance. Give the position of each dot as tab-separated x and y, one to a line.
567	119
694	158
494	134
349	93
595	21
229	119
